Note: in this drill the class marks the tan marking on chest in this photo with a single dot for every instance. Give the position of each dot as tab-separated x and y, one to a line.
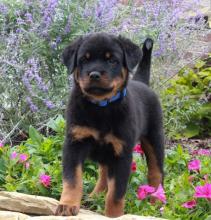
116	142
80	132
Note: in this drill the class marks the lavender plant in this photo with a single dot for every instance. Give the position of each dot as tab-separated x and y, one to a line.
33	82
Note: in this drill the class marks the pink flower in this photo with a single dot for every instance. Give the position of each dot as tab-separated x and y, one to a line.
189	204
144	191
27	165
45	180
1	144
203	191
13	155
194	165
160	194
161	210
204	152
206	177
138	149
133	166
23	158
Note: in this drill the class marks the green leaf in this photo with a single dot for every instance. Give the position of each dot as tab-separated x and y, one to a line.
57	124
205	72
179	149
191	130
205	109
199	64
35	135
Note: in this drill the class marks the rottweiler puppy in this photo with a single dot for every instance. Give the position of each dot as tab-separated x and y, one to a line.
108	113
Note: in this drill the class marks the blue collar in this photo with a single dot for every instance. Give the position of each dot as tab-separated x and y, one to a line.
104	103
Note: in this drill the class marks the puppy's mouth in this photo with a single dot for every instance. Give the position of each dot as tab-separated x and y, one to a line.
95	90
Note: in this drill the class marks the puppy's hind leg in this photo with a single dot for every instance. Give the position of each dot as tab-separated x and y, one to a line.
153	145
154	153
101	184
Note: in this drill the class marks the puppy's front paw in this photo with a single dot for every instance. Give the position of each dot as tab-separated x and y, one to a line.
66	210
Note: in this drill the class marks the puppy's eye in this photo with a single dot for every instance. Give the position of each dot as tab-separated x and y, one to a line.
112	61
84	59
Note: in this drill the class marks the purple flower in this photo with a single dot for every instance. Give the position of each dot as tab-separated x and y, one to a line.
68	25
103	13
20	21
48	12
29	17
18	30
53	45
13	155
3	9
27	84
32	106
58	39
32	73
48	104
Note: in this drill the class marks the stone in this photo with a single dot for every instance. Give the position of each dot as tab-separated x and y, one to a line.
14	204
6	215
19	202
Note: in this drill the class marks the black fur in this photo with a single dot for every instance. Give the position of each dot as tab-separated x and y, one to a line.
136	116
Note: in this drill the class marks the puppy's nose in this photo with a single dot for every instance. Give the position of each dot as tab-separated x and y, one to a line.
95	75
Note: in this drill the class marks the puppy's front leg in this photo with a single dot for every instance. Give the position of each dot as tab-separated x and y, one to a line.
73	157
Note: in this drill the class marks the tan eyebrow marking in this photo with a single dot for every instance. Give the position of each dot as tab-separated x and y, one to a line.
87	55
108	55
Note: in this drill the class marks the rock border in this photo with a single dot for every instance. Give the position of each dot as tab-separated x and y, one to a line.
19	206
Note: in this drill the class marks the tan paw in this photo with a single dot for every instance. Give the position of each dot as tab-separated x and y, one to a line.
66	210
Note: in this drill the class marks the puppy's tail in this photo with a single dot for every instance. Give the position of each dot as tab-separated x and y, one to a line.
143	71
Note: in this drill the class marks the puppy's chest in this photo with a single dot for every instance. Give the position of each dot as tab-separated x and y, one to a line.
79	133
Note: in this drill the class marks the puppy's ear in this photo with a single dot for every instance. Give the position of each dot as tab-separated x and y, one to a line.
132	52
69	56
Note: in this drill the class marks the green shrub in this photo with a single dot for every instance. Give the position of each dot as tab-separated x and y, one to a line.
187	102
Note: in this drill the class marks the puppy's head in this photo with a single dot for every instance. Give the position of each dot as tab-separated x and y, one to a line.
100	63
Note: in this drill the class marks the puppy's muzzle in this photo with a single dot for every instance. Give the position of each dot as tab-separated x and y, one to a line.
95	76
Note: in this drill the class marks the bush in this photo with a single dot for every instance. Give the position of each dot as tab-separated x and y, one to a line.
186	102
33	82
34	167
